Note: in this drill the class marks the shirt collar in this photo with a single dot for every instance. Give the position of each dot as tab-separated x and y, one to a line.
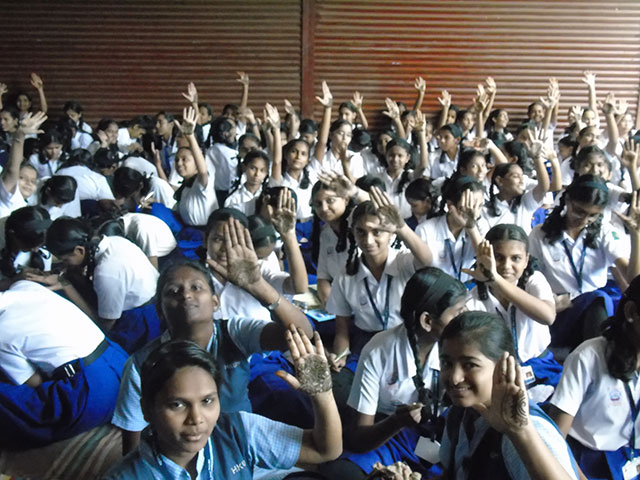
390	267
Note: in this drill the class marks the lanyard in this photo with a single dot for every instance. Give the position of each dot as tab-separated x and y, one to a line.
435	389
452	259
384	320
577	274
514	329
635	409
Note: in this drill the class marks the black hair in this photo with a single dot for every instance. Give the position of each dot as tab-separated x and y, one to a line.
348	105
422	189
219	127
492	205
222	215
206	106
28	227
621	352
165	361
405	178
360	140
367	181
485	330
466	156
249	136
519	150
569	141
335	125
105	158
308	125
271	195
127	181
491	121
249	157
454	186
58	189
262	231
65	234
432	291
79	156
586	153
364	209
104	123
343	233
452	128
388	132
166	274
504	232
53	135
531	105
589	189
305	182
11	111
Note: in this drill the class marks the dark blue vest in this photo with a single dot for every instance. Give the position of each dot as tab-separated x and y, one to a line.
230	449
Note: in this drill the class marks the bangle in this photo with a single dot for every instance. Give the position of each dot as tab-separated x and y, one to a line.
272	306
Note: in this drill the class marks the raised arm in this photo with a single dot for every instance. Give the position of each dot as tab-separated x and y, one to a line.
608	107
272	122
421	87
38	84
324	442
536	148
491	90
243	270
30	125
357	102
629	159
632	222
552	98
250	119
393	112
243	78
589	78
294	120
445	101
327	102
480	106
284	221
192	95
421	129
189	120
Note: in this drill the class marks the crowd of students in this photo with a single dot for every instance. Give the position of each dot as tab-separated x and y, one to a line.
483	277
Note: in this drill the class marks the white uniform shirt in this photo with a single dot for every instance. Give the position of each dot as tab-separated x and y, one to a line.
243	200
597	401
384	377
142	165
444	169
197	203
123	278
272	273
521	217
124	140
556	266
303	206
150	233
44	169
398	198
533	337
41	330
91	185
349	295
356	163
237	302
10	201
330	262
225	161
435	233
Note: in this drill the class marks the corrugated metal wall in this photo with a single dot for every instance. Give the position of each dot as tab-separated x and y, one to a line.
379	47
124	58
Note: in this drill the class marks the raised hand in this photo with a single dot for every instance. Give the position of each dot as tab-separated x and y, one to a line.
388	214
577	112
3	88
243	78
327	99
420	123
608	105
445	99
485	269
189	120
242	268
420	85
30	125
357	100
509	409
192	93
288	108
339	183
271	116
36	81
247	114
470	208
312	370
491	86
589	78
632	218
482	99
284	217
392	111
535	143
630	154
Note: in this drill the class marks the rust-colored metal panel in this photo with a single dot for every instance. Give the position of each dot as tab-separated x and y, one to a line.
125	58
380	47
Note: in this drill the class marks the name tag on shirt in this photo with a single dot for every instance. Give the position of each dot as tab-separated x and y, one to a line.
631	469
527	373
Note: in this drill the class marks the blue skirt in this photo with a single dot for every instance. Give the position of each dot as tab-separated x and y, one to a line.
137	327
60	409
601	465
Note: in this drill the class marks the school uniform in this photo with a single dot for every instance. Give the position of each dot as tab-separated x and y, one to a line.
237	302
243	200
303	204
125	282
375	305
10	201
231	344
566	171
43	332
240	443
472	449
450	254
225	160
521	216
91	185
600	404
398	198
370	161
383	381
272	272
197	202
71	209
81	140
46	169
442	166
333	164
330	262
150	233
124	140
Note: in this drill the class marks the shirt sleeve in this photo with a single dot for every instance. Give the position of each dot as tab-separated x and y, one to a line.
16	366
128	413
111	294
365	389
337	302
575	381
246	333
539	287
271	444
616	245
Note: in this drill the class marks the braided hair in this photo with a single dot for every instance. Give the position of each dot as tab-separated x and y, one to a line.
59	189
65	234
364	209
501	233
25	229
588	189
405	178
430	291
500	171
250	157
305	182
454	186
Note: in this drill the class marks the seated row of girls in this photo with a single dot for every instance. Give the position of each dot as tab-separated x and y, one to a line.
187	301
